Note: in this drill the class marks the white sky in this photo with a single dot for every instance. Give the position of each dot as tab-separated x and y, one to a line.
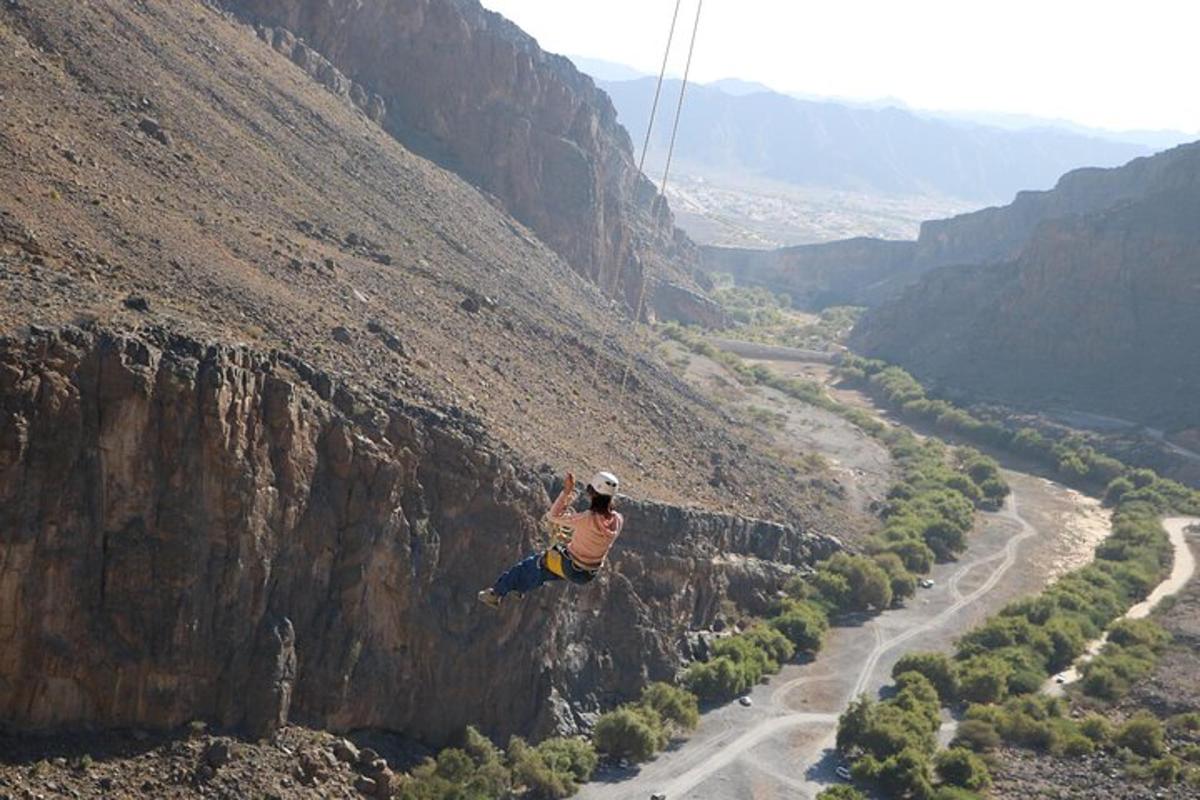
1121	64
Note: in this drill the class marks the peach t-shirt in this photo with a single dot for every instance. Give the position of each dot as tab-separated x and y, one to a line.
592	535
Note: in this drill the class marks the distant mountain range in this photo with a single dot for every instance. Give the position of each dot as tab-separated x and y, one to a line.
731	128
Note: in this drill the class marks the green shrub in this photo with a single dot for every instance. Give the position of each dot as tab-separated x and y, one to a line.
962	767
913	552
937	668
853	583
718	679
1133	632
1097	728
630	732
841	793
903	583
953	793
803	624
1189	722
553	769
770	640
983	679
977	735
674	705
906	774
1143	735
1077	745
569	756
753	661
1166	770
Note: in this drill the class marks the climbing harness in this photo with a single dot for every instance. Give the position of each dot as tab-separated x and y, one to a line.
559	561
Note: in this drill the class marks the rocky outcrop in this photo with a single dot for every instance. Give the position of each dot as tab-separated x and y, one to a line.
323	71
871	271
674	302
469	89
194	530
1098	312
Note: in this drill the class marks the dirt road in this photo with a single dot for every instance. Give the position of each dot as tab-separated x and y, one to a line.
782	746
1182	570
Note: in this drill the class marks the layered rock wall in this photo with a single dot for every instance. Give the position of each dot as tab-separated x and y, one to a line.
1097	313
195	530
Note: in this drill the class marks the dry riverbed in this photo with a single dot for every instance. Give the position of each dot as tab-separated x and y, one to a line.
782	745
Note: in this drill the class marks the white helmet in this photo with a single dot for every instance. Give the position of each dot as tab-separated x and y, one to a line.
605	483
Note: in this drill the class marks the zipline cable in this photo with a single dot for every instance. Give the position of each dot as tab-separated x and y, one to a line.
662	74
662	190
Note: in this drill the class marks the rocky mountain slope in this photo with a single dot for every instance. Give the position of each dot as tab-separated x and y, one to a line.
1093	306
889	151
870	272
278	395
468	88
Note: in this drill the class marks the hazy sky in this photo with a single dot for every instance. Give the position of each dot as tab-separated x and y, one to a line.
1108	63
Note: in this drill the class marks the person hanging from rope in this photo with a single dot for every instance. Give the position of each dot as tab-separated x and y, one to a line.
583	541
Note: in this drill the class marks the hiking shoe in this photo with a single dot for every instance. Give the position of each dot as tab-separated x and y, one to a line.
489	598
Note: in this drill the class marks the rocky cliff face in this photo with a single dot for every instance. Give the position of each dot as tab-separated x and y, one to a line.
871	272
1000	234
1097	312
471	90
193	530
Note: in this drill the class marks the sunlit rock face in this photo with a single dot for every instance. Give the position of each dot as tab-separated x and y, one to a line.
194	530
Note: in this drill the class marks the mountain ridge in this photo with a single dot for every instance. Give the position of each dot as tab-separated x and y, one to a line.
1084	296
871	271
890	150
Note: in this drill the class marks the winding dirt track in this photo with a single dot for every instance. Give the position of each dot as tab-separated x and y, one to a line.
781	746
1182	569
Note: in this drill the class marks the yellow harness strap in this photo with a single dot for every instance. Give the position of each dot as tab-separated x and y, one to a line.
553	560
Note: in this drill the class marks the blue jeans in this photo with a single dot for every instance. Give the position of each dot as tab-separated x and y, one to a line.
530	572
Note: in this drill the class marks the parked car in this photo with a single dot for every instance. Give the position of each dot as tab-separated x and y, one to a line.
926	583
843	772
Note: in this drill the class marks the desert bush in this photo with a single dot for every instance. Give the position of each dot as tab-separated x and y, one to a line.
953	793
718	679
770	640
961	767
1166	770
751	659
804	625
675	706
630	732
853	583
977	735
553	769
841	793
983	679
1097	728
1143	735
903	583
936	667
1076	745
